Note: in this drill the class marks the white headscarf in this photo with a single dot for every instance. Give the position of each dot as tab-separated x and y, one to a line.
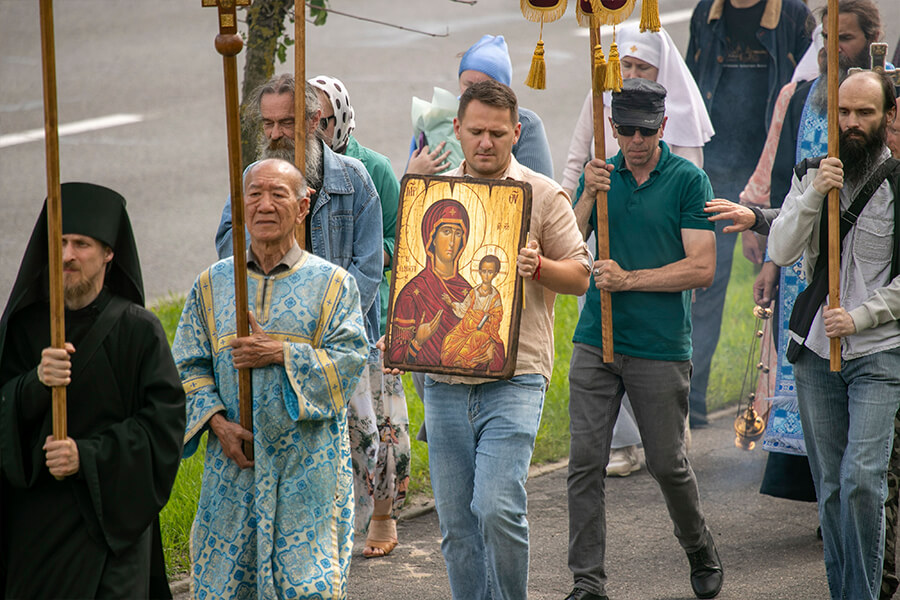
339	97
688	123
808	67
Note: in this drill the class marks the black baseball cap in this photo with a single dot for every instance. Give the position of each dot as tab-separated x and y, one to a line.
641	103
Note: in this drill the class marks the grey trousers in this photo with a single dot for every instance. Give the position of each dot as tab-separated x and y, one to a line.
659	398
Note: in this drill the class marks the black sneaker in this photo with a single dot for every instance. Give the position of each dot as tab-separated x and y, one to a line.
706	570
580	594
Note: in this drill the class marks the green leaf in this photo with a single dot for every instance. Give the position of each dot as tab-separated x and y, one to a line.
317	13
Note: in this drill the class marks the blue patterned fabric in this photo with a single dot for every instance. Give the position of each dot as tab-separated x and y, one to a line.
283	529
812	135
783	432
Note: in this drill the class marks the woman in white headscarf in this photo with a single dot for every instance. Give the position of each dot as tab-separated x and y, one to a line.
383	495
650	56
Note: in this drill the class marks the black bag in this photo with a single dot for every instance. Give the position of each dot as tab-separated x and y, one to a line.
808	301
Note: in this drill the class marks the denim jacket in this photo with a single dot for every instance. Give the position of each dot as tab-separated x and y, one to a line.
784	31
345	229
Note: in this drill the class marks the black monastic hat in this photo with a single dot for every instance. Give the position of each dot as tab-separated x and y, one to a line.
87	209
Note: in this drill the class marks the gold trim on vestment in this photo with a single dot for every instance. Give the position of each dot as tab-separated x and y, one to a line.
190	433
206	307
329	372
195	383
329	305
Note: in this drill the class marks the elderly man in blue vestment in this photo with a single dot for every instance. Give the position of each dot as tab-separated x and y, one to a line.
282	525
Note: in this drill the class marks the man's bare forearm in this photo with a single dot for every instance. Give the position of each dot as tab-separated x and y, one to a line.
685	274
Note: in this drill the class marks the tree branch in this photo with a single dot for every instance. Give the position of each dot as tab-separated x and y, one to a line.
385	23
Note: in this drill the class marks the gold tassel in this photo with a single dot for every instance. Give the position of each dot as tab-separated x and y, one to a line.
649	15
599	79
613	70
537	75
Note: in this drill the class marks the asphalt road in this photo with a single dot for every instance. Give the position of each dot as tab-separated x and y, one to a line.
768	546
156	61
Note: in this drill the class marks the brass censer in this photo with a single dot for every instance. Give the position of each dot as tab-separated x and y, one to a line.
749	426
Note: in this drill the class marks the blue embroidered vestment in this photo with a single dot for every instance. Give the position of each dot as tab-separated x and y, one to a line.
282	529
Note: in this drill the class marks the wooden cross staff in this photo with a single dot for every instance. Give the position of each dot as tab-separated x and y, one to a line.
54	210
300	124
878	58
229	44
834	202
602	228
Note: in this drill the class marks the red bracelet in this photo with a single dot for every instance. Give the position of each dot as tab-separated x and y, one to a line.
536	276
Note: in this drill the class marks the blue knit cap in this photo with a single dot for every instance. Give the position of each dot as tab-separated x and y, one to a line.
489	56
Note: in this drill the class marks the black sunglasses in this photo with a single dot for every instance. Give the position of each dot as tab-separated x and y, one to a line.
323	122
628	130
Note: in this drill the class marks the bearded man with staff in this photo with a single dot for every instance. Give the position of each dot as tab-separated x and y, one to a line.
79	515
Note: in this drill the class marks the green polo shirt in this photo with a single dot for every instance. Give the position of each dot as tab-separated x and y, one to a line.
645	223
388	188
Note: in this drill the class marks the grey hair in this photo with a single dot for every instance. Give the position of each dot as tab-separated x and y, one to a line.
277	84
298	183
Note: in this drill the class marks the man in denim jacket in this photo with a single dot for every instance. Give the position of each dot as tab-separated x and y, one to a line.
343	226
344	197
741	53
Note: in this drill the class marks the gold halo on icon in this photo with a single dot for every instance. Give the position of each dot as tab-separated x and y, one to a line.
424	197
500	253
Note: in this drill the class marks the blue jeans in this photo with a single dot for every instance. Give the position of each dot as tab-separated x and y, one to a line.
848	425
480	440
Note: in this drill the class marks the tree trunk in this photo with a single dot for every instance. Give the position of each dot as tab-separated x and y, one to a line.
265	25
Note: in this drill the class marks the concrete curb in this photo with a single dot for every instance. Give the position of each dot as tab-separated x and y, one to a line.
180	587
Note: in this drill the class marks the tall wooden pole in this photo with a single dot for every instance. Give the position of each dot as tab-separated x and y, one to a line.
54	210
602	228
300	124
229	45
834	202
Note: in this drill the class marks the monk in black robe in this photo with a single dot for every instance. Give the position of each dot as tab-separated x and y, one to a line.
94	533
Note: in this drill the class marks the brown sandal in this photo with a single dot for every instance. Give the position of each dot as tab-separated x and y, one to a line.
382	538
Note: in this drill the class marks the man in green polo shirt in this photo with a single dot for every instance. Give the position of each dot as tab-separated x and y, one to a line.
662	246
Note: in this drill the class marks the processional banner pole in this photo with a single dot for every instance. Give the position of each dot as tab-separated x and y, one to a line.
602	228
606	75
834	201
54	210
300	123
229	44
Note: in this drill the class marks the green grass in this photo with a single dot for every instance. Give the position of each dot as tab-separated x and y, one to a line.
178	515
168	311
176	518
738	326
553	437
419	476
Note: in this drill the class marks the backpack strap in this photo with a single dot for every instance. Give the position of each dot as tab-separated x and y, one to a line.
808	301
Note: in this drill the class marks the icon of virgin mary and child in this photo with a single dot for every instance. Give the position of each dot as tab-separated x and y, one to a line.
439	318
